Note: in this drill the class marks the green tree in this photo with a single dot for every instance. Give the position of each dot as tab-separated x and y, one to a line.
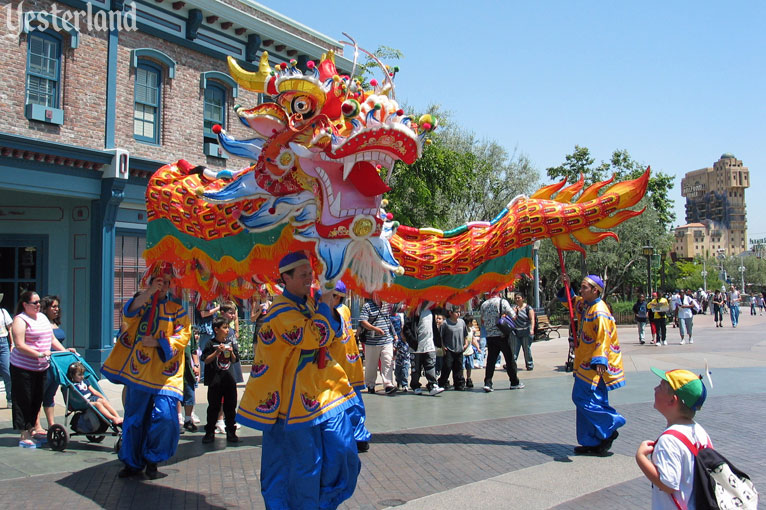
620	263
459	178
369	69
623	167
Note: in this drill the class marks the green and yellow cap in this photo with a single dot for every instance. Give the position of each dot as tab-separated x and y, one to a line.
687	385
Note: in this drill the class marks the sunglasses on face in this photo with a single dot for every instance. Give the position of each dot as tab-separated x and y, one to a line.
33	303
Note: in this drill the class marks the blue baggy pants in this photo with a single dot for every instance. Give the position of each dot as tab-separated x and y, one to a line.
309	468
150	429
596	419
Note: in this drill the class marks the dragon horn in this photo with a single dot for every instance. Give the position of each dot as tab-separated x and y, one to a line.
254	82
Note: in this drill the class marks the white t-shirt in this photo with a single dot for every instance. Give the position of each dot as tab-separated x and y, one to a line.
675	464
5	322
674	302
685	313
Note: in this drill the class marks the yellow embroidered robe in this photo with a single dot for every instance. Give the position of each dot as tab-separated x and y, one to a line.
159	369
286	382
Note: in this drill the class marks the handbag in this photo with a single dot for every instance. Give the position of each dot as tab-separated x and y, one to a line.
504	323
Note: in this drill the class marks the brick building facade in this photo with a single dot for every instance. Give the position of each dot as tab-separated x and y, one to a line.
91	111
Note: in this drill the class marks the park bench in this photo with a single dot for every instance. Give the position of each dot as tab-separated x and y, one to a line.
545	330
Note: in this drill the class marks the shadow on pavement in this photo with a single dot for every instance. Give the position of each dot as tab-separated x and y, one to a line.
190	446
558	451
101	485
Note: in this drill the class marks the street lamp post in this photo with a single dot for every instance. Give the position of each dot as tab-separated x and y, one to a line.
535	249
721	258
742	276
647	251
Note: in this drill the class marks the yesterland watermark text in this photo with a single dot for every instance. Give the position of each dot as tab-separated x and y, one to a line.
56	18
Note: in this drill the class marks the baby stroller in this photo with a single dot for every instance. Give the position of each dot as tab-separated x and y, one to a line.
85	418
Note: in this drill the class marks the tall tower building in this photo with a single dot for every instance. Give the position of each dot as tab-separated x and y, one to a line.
715	197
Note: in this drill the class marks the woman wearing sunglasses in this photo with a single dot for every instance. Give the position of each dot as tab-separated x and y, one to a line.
33	339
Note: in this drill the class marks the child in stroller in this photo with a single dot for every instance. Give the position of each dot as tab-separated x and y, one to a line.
91	415
76	374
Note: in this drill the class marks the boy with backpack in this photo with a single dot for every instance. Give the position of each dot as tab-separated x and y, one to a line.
682	476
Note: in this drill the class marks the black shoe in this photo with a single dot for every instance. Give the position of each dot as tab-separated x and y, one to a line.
530	367
231	437
151	471
362	446
209	437
468	383
128	472
584	450
370	389
488	387
190	426
606	444
390	390
641	342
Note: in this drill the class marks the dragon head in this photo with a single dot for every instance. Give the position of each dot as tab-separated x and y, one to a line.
326	148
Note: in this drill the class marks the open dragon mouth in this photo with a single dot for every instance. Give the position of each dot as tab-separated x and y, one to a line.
342	198
361	170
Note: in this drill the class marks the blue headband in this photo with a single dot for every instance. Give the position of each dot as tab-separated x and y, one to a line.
292	260
595	281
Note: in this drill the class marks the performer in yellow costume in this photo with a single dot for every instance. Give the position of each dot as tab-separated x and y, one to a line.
148	359
597	370
298	396
346	353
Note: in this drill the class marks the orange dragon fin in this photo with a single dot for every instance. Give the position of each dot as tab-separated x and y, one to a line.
567	193
546	192
589	237
630	192
592	191
617	218
564	242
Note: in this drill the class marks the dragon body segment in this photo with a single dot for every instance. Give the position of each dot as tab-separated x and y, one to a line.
323	154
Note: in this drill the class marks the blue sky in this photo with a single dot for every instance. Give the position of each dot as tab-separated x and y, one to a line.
676	84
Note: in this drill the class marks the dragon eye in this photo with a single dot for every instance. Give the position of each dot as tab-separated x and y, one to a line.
303	105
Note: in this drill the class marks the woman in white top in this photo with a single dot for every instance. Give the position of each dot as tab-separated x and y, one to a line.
6	344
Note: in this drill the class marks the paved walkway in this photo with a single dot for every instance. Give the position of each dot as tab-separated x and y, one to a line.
467	450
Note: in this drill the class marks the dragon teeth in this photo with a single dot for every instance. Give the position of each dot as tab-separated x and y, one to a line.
335	206
348	165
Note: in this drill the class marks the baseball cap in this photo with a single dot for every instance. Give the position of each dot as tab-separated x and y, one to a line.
687	385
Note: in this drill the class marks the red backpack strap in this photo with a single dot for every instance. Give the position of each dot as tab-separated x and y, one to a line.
692	448
685	440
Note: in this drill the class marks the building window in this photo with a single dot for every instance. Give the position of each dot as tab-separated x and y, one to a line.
129	267
215	110
23	259
146	110
43	70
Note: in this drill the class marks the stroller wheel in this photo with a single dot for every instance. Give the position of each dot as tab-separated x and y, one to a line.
95	439
118	444
58	438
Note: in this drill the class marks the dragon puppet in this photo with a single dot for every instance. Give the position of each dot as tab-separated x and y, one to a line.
323	154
